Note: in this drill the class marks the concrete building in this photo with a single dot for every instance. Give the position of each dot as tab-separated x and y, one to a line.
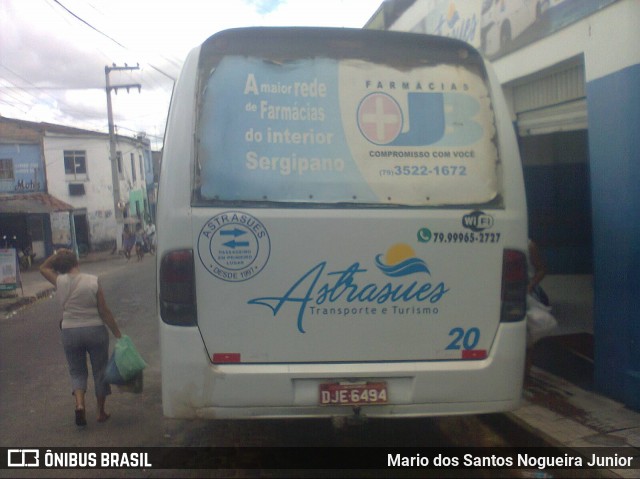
571	72
71	167
79	173
29	216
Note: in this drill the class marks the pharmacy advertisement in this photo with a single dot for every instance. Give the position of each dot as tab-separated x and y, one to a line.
322	130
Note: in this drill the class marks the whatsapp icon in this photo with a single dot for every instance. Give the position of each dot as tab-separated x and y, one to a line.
424	235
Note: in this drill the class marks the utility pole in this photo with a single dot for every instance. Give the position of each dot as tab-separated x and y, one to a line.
117	201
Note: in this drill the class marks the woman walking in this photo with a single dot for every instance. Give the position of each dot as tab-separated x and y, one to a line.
84	316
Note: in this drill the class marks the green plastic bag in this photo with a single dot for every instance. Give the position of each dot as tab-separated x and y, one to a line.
128	360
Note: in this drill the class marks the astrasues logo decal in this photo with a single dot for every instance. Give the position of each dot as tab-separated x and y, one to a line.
351	291
234	246
399	261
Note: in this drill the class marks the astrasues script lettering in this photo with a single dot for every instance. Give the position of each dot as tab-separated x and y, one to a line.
319	287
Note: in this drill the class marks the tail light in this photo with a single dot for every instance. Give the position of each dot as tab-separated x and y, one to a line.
514	285
177	289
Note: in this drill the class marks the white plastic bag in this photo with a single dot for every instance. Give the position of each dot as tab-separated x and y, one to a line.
540	321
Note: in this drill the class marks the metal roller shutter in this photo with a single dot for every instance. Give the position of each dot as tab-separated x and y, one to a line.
552	101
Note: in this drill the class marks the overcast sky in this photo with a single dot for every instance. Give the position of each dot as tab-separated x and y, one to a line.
53	52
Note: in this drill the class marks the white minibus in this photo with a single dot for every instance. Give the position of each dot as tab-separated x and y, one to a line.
342	229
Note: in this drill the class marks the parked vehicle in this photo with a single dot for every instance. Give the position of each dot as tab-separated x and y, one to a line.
341	229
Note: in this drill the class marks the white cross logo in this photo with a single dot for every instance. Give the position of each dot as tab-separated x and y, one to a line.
380	118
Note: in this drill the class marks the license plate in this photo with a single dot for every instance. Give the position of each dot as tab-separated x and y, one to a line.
332	394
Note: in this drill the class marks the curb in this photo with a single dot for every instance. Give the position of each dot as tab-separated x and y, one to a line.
22	301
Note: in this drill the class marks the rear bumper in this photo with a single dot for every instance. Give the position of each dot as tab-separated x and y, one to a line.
193	387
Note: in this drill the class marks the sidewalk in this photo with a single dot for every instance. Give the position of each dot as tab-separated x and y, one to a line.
567	416
559	403
35	287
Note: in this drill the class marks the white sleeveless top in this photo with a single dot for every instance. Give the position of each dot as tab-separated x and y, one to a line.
77	294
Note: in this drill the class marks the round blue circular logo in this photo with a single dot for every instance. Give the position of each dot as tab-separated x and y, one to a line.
234	246
380	118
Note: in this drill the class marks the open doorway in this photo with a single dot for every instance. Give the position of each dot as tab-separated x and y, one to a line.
557	181
82	232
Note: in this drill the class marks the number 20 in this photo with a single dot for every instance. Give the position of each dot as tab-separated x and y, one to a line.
469	338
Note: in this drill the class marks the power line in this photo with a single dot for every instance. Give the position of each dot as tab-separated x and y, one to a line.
19	100
110	38
16	106
14	86
51	88
90	26
137	131
24	95
11	92
35	98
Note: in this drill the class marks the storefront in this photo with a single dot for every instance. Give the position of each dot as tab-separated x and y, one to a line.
550	110
571	72
35	222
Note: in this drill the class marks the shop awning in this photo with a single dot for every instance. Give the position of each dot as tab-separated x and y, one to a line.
32	203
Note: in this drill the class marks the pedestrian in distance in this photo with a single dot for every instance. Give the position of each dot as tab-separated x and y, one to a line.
128	241
83	328
150	233
139	238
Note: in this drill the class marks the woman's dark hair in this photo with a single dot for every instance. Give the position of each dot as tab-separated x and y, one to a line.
64	262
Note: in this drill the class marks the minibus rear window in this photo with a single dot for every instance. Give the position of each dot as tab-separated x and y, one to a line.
322	129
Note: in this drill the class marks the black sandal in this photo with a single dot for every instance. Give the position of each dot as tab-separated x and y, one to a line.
81	418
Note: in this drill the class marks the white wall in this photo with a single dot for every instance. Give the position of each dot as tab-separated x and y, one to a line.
98	197
608	39
614	37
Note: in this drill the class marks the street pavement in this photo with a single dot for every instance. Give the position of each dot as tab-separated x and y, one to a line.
34	286
559	403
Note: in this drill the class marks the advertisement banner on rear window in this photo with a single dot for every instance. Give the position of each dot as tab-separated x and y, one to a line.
326	131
